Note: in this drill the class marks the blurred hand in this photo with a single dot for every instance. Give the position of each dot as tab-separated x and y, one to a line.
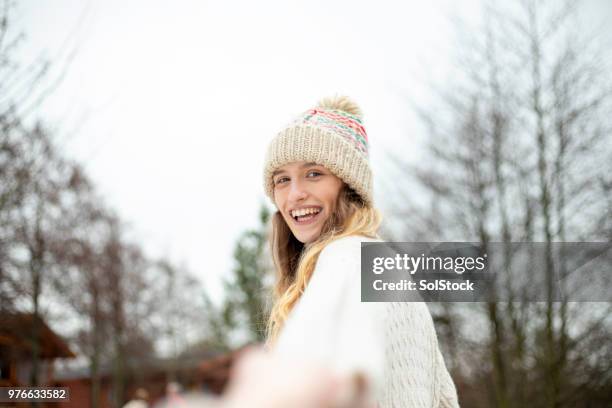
264	380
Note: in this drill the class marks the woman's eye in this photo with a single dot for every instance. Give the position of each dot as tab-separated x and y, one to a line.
281	180
314	173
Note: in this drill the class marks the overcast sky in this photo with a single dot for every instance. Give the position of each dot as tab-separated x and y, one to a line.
170	105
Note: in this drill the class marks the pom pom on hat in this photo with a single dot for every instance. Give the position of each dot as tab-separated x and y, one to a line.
343	103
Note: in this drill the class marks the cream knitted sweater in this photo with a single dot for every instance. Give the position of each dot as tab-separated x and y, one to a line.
394	344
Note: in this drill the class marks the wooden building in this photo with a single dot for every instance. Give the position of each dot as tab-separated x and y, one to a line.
20	335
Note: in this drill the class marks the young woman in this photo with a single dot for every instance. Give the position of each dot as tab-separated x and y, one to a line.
326	347
318	175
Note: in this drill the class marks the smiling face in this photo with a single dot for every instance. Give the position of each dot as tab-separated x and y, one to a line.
306	195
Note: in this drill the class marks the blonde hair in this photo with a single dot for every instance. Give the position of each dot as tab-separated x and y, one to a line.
295	262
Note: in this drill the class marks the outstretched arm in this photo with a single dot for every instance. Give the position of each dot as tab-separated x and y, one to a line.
330	325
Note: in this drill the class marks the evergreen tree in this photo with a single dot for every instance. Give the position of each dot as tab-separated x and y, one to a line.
247	293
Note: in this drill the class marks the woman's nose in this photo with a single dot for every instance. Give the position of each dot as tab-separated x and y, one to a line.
297	192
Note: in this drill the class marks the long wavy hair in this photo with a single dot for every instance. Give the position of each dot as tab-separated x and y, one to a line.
295	262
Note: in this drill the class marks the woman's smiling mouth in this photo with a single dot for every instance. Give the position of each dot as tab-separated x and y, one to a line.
306	215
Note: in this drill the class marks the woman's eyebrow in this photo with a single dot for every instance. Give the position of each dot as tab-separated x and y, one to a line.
303	166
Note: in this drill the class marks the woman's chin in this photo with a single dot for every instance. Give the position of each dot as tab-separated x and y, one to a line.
307	237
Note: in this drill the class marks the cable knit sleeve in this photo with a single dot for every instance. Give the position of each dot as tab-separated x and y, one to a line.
416	375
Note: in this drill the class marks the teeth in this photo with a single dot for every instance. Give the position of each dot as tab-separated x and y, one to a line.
304	211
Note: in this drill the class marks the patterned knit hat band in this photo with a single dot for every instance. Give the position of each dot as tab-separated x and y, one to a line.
336	121
332	135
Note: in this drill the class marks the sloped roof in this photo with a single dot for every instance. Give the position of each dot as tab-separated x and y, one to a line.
17	331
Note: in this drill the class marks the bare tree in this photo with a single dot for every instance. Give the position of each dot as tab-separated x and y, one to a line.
520	151
32	225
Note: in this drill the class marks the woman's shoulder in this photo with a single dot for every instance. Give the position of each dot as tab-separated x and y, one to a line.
341	258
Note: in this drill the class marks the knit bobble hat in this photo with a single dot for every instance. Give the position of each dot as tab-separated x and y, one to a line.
330	134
